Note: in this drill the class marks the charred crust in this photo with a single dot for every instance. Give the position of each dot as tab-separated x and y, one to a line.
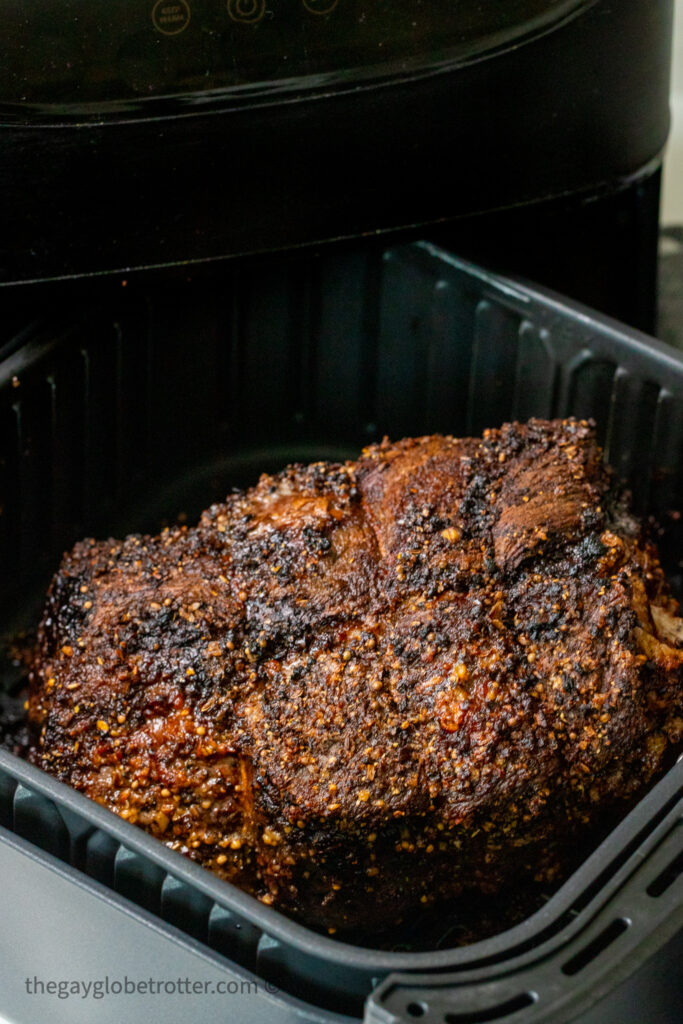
358	687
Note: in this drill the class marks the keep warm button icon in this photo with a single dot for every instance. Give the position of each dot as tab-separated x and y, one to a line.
171	18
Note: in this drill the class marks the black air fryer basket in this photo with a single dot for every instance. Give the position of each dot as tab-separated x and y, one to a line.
119	406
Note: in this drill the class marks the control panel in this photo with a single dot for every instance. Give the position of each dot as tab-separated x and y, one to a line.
82	56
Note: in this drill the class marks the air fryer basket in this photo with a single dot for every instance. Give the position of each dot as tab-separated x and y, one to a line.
130	400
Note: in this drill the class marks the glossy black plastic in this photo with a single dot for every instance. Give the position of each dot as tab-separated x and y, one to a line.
69	58
581	108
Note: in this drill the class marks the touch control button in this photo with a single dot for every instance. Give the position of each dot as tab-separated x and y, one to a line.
171	18
246	11
320	6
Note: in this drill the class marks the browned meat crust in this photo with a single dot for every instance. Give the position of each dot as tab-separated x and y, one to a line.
357	688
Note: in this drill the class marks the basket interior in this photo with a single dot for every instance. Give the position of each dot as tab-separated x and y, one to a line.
130	403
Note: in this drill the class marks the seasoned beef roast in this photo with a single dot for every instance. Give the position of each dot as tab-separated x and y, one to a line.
354	689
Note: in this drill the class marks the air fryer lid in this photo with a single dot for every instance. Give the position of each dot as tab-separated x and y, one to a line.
74	53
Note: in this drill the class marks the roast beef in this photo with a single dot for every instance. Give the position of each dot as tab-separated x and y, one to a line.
359	688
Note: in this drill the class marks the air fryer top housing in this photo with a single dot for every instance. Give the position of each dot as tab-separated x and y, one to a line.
67	57
145	135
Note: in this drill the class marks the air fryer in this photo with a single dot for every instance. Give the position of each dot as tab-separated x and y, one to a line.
197	200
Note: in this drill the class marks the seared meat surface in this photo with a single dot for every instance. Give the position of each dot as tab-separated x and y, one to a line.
355	689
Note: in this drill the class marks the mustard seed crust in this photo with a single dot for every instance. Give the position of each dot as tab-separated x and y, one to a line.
356	689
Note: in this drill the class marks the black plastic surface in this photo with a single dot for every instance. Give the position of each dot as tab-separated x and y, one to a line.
112	419
580	109
62	57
